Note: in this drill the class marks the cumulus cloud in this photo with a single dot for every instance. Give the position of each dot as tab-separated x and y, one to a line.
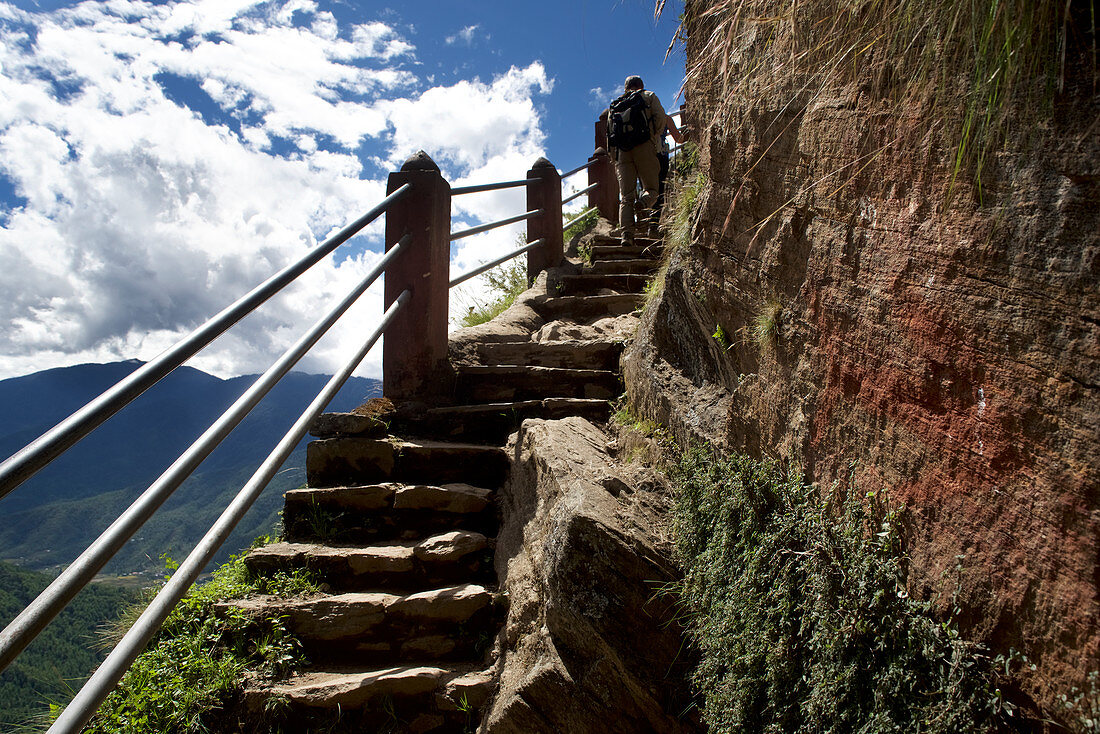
169	158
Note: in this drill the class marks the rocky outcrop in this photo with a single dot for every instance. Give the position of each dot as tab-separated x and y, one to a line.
591	642
950	356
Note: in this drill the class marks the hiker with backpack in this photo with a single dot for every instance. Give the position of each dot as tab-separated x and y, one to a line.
636	122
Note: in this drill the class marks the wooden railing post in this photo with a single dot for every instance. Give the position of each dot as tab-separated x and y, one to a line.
414	349
604	197
601	132
544	193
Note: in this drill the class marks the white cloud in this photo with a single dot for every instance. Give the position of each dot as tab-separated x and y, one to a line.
142	218
464	36
599	98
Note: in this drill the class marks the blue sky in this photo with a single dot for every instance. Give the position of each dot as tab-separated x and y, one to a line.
158	159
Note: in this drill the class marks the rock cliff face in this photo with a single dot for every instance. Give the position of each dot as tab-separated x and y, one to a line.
948	354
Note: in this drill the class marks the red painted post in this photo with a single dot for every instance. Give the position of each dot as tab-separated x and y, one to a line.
414	349
604	197
544	193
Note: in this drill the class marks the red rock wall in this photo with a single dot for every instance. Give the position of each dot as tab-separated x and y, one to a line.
948	354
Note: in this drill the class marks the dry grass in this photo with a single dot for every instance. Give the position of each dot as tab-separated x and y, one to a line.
976	67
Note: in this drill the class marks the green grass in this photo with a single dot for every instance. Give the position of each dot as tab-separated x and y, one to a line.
624	417
684	190
505	283
798	604
578	224
197	660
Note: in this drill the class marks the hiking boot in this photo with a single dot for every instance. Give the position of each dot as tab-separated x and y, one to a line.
624	233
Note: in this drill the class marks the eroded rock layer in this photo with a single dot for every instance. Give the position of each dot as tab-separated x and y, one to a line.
949	354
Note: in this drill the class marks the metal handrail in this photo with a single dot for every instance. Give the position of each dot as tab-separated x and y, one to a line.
494	225
583	214
91	695
579	194
492	187
33	619
40	452
578	169
489	266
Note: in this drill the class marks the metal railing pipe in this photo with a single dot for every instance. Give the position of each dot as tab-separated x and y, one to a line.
578	169
573	221
40	452
494	225
92	694
579	194
26	626
489	266
488	187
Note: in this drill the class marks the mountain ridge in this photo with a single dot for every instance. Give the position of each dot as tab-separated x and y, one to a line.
56	513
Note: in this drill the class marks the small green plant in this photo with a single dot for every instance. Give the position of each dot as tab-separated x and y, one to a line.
719	336
505	282
798	605
765	326
468	711
584	251
624	417
321	521
197	659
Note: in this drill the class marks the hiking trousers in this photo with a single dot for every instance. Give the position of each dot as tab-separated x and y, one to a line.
638	164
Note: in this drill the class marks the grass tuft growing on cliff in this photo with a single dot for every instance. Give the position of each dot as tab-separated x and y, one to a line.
685	186
197	660
765	326
801	613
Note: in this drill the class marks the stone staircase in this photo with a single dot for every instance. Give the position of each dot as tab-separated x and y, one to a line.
399	520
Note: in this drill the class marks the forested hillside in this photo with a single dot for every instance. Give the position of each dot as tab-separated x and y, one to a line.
63	655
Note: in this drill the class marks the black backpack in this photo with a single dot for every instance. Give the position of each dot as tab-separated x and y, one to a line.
628	121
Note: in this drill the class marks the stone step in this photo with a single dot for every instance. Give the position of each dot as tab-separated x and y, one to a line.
385	511
500	383
626	252
379	628
440	560
494	422
353	461
593	355
602	240
632	266
582	309
572	285
427	697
